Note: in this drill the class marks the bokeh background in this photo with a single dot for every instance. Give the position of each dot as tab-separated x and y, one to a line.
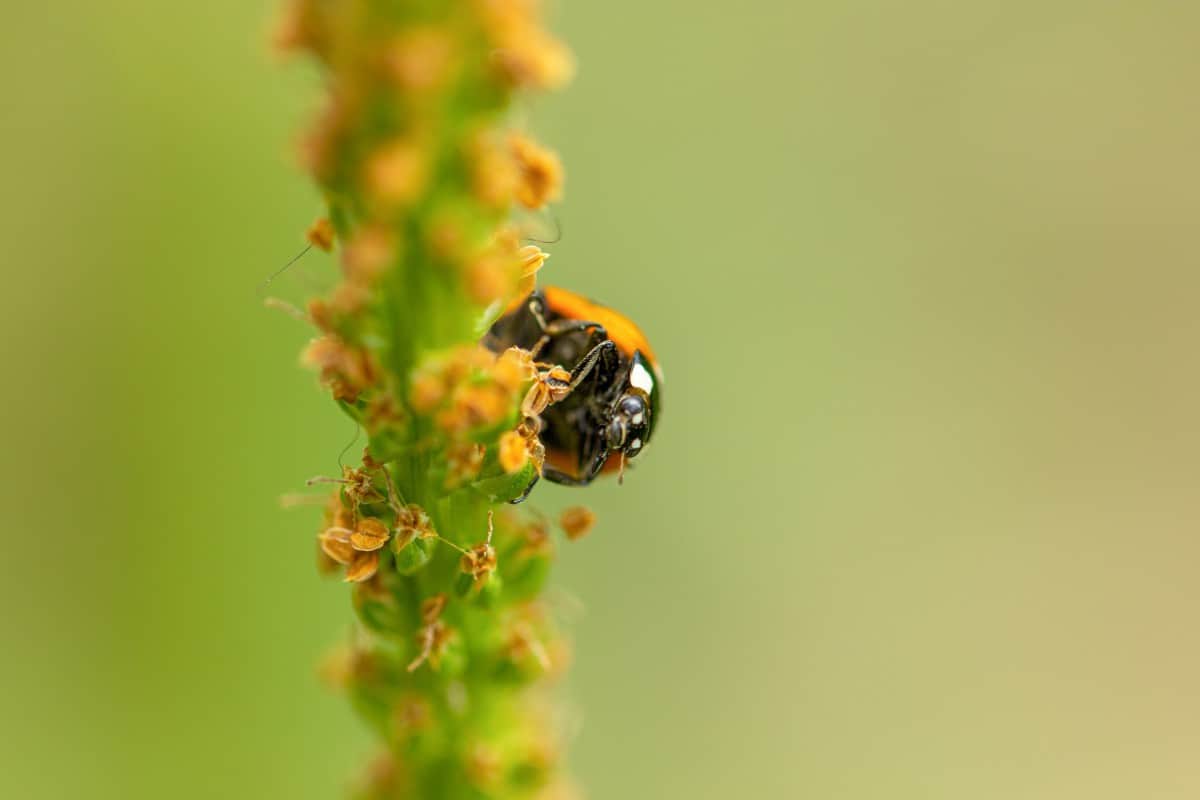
922	518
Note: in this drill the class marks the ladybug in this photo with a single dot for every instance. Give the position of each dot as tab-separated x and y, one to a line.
606	389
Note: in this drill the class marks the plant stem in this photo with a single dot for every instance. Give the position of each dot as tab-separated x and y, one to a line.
453	646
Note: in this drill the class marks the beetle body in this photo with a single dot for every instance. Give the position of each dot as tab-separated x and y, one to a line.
615	398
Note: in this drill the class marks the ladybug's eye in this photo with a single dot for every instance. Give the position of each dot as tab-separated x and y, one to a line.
633	415
615	433
633	408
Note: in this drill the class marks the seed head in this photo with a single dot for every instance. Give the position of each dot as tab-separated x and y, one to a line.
474	405
350	298
577	522
321	234
359	487
336	512
479	562
514	454
368	255
384	776
396	173
411	523
536	60
537	541
413	715
421	59
363	566
321	314
484	766
541	172
489	278
504	269
346	370
494	174
432	607
335	543
529	429
532	260
525	54
316	147
463	463
513	369
428	390
298	28
523	643
371	534
431	641
382	410
445	236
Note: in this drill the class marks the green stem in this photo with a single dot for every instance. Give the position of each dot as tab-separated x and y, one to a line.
453	648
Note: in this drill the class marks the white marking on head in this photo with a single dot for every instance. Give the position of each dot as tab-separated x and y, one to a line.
636	443
640	378
638	418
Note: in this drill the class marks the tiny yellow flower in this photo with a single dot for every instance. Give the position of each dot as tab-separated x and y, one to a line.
421	59
489	278
577	522
432	640
321	234
463	462
427	391
479	562
396	173
534	59
484	766
432	607
298	28
514	454
370	534
346	370
363	566
494	173
541	172
513	369
412	522
335	543
413	714
537	541
368	255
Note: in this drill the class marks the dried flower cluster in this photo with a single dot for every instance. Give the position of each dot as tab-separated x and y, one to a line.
420	173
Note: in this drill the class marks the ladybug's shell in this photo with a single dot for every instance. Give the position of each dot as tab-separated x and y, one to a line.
627	336
573	431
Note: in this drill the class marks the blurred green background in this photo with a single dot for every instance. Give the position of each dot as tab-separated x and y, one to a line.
921	521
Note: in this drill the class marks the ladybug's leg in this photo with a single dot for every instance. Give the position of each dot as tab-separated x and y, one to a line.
553	385
551	474
593	469
585	366
561	326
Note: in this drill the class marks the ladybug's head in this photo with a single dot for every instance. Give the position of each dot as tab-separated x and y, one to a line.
629	427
